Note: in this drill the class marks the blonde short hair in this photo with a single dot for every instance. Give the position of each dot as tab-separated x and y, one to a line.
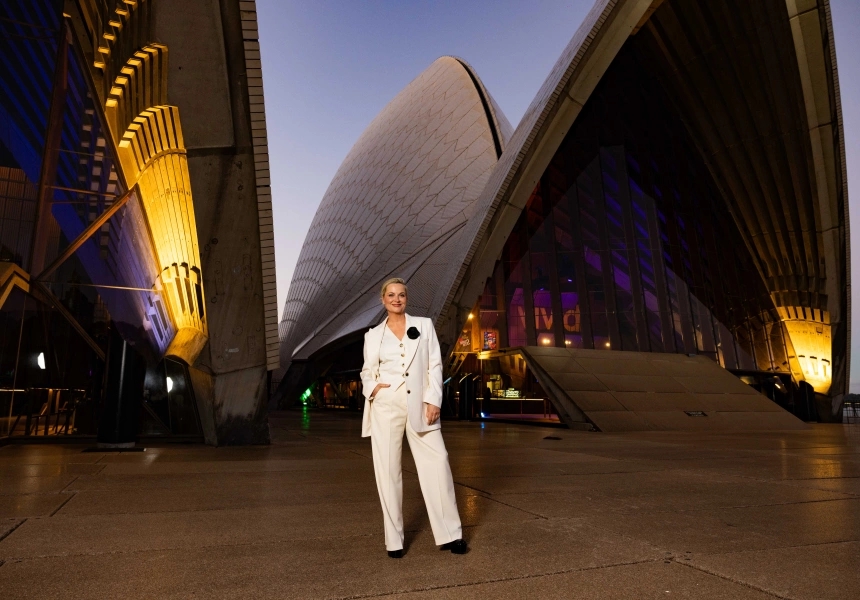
392	281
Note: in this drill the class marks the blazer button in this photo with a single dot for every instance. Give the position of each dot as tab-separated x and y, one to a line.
407	374
408	391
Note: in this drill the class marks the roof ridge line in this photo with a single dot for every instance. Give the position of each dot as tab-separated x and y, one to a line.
485	102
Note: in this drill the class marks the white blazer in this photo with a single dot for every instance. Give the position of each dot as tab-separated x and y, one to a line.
423	372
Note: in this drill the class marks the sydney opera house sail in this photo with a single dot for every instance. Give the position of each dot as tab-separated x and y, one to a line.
402	201
662	243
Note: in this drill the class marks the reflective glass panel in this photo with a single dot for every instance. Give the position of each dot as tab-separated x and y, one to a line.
626	243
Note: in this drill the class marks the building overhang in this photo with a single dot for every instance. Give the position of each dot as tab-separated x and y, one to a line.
803	259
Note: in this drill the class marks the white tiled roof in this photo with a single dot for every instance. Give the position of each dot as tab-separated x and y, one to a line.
396	208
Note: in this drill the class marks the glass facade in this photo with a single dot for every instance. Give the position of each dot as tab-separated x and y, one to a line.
625	244
62	293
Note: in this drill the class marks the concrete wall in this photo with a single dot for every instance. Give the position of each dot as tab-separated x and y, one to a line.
207	80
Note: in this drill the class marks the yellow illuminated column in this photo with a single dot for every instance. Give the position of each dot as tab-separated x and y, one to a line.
141	84
809	332
152	154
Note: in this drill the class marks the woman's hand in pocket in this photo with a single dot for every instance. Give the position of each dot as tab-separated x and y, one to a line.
431	413
378	387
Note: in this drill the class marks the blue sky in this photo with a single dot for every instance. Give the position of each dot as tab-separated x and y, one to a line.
330	66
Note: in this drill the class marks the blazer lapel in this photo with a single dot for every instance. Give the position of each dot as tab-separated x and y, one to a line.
374	344
411	345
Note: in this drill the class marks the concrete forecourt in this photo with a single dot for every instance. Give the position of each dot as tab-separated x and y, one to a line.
589	515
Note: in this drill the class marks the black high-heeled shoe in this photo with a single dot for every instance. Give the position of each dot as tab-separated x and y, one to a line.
395	554
456	547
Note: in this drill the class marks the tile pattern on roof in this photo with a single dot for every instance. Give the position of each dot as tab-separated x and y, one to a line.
400	198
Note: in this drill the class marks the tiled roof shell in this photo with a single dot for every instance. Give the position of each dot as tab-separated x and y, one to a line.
397	206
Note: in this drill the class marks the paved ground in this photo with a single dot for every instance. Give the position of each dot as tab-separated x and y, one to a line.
590	515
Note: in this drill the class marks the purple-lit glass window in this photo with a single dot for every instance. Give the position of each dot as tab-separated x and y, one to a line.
517	319
626	244
563	227
541	271
543	320
572	319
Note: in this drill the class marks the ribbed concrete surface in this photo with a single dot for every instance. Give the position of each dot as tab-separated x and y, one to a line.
637	391
591	515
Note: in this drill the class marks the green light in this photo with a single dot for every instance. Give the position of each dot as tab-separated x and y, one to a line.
305	396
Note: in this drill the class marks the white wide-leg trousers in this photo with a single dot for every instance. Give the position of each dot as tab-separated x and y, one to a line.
388	421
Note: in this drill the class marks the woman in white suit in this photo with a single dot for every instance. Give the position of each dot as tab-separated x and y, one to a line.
402	382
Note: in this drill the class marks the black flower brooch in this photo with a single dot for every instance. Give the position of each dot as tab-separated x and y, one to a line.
413	333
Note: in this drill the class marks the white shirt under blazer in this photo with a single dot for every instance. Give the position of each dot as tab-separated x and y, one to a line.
422	371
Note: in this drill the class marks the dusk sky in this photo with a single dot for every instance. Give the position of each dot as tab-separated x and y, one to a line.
330	66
